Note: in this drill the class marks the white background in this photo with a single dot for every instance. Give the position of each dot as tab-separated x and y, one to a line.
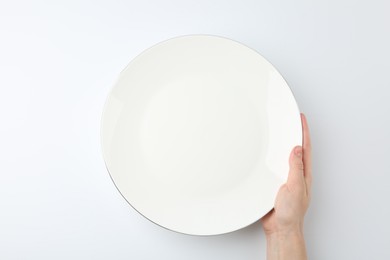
58	61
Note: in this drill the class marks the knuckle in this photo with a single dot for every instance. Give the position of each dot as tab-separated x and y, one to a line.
299	165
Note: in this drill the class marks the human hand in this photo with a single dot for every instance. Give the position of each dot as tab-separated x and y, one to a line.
283	225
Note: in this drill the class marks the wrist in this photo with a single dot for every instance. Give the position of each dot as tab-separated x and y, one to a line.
286	244
295	232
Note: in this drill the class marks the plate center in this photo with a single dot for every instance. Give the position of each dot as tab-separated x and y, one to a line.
202	135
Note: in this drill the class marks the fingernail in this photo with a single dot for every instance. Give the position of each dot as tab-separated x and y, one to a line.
298	151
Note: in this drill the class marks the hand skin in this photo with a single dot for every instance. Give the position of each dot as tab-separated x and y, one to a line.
283	226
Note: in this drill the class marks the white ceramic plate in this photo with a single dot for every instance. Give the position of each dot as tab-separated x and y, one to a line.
197	132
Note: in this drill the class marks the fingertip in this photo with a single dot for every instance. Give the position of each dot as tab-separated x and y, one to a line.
296	165
298	151
296	158
302	115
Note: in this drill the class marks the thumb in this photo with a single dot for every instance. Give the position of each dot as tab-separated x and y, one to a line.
295	175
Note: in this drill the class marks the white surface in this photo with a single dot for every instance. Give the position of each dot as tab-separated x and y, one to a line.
196	132
57	63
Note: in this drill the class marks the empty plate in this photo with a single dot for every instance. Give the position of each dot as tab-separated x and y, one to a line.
196	134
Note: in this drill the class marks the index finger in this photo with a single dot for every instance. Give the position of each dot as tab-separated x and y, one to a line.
306	153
